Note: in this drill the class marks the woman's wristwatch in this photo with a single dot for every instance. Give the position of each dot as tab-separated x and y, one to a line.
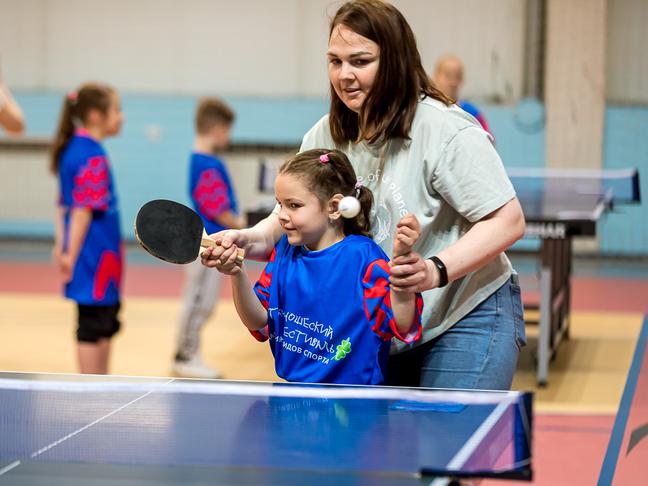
443	271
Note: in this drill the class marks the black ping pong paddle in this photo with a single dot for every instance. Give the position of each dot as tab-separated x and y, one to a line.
173	232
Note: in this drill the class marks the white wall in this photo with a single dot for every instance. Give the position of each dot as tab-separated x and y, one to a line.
248	47
575	83
34	198
487	35
627	51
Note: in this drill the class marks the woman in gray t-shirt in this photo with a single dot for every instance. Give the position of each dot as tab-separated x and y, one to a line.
421	154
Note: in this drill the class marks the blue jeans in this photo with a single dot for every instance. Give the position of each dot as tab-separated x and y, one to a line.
478	352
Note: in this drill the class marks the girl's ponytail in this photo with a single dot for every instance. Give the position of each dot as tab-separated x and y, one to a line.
77	105
64	131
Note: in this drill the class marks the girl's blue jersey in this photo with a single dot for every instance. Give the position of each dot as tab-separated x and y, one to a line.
85	181
329	312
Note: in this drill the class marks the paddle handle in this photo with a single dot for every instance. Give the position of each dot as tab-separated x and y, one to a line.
207	242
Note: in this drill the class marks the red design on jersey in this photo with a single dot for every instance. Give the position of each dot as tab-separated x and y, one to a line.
377	302
262	289
381	317
109	270
376	286
380	283
266	277
210	194
261	335
91	184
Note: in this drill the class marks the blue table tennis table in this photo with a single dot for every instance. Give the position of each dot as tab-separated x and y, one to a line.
82	429
560	205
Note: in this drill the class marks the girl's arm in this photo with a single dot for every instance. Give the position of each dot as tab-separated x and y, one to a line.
248	306
80	219
480	245
230	220
58	234
403	304
404	308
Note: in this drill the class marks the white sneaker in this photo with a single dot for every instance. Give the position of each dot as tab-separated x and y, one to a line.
194	368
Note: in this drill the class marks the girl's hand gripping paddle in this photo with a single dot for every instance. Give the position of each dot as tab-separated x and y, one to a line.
173	232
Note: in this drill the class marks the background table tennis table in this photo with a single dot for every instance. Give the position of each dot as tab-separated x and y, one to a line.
91	430
560	205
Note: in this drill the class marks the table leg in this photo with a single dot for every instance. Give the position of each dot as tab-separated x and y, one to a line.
544	336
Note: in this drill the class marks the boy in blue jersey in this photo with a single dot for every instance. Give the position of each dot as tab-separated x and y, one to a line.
449	77
213	198
87	244
324	300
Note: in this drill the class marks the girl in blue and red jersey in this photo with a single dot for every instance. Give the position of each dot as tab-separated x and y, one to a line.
324	300
87	245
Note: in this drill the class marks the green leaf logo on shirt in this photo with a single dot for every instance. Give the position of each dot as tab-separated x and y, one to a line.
343	349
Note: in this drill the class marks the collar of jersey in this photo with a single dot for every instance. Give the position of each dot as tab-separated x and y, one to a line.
82	132
316	253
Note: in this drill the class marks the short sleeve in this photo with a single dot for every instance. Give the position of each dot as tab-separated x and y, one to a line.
470	175
262	291
211	194
377	304
91	187
319	136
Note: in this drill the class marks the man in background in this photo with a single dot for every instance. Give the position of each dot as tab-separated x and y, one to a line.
448	76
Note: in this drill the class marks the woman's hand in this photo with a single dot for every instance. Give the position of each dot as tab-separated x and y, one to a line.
409	272
408	231
413	273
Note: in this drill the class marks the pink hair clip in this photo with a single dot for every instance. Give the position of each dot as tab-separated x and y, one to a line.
72	96
324	158
358	186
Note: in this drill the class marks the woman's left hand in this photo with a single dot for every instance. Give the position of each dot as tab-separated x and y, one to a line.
413	273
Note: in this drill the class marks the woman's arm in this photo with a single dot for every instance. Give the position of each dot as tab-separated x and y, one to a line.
248	306
11	116
487	238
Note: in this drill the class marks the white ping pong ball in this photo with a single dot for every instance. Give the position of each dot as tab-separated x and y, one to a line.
349	207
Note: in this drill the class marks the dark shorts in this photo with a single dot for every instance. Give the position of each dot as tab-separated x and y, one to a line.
97	322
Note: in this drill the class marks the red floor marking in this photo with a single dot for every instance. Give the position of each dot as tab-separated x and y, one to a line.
567	449
598	294
610	294
139	280
588	294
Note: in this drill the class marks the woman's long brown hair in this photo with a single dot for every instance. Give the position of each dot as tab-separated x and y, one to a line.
400	82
